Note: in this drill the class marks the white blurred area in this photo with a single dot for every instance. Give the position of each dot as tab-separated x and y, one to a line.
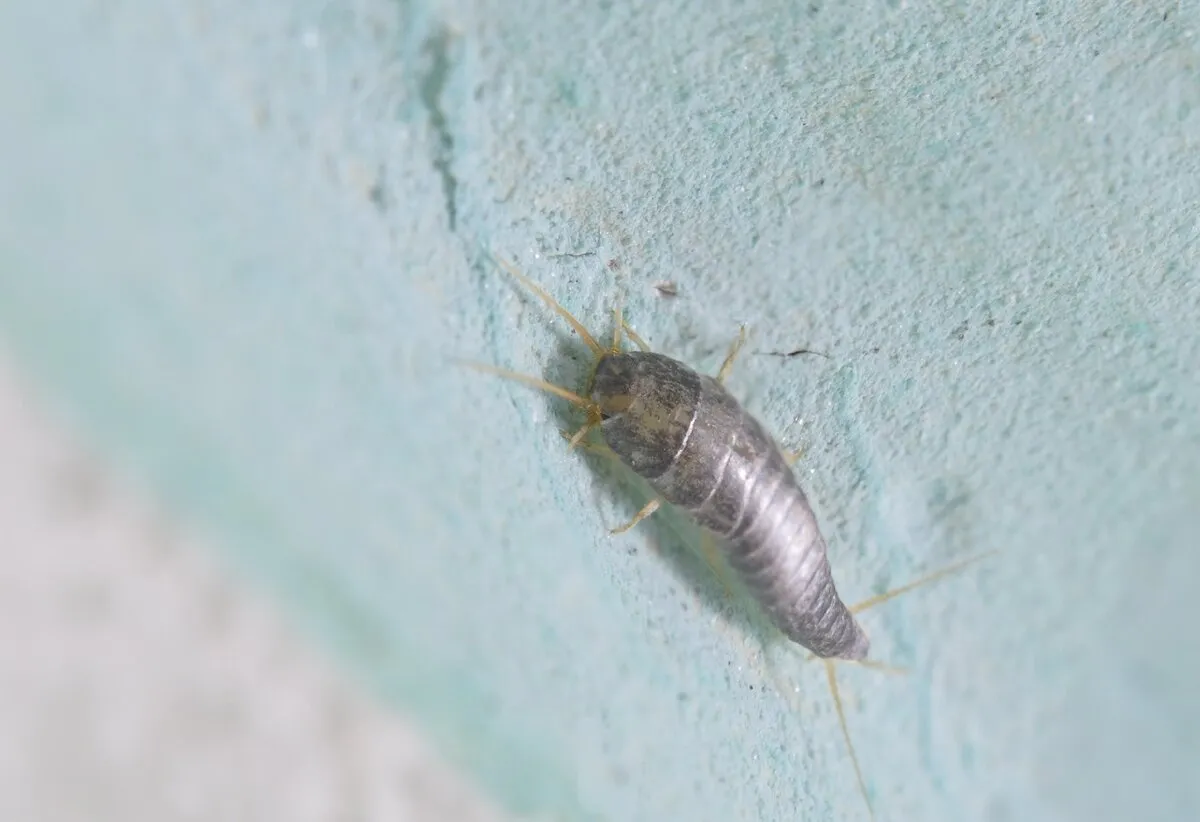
139	683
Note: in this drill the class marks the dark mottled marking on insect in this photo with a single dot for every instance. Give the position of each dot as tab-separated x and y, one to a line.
701	451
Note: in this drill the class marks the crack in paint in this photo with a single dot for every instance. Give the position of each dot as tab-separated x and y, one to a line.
432	86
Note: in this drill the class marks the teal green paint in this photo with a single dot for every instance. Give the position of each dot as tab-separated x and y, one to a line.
226	247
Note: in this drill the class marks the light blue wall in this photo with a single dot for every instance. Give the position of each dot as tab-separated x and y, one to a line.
241	240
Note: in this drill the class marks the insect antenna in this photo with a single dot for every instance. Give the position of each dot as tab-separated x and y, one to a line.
549	387
618	324
592	409
555	306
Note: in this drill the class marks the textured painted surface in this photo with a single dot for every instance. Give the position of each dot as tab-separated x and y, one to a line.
240	240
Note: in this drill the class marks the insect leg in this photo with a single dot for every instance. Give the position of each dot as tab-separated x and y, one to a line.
574	440
727	365
604	451
647	509
587	445
714	560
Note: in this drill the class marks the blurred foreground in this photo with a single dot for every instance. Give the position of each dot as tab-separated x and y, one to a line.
140	684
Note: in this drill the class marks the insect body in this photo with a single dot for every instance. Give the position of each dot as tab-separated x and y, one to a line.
701	451
698	448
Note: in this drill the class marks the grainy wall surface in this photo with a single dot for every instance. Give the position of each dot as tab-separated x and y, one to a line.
241	241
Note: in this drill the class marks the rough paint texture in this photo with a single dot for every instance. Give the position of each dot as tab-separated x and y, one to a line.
241	239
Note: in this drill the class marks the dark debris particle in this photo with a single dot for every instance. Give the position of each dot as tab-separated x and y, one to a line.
795	353
378	192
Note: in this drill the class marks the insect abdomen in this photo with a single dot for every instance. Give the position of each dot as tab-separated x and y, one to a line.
732	478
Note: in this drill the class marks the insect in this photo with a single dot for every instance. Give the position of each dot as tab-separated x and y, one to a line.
702	452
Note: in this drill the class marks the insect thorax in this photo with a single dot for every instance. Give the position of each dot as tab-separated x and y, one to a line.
647	401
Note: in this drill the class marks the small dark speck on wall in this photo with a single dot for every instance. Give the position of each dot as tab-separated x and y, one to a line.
378	193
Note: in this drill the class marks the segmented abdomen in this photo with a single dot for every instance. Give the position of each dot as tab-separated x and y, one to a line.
732	478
